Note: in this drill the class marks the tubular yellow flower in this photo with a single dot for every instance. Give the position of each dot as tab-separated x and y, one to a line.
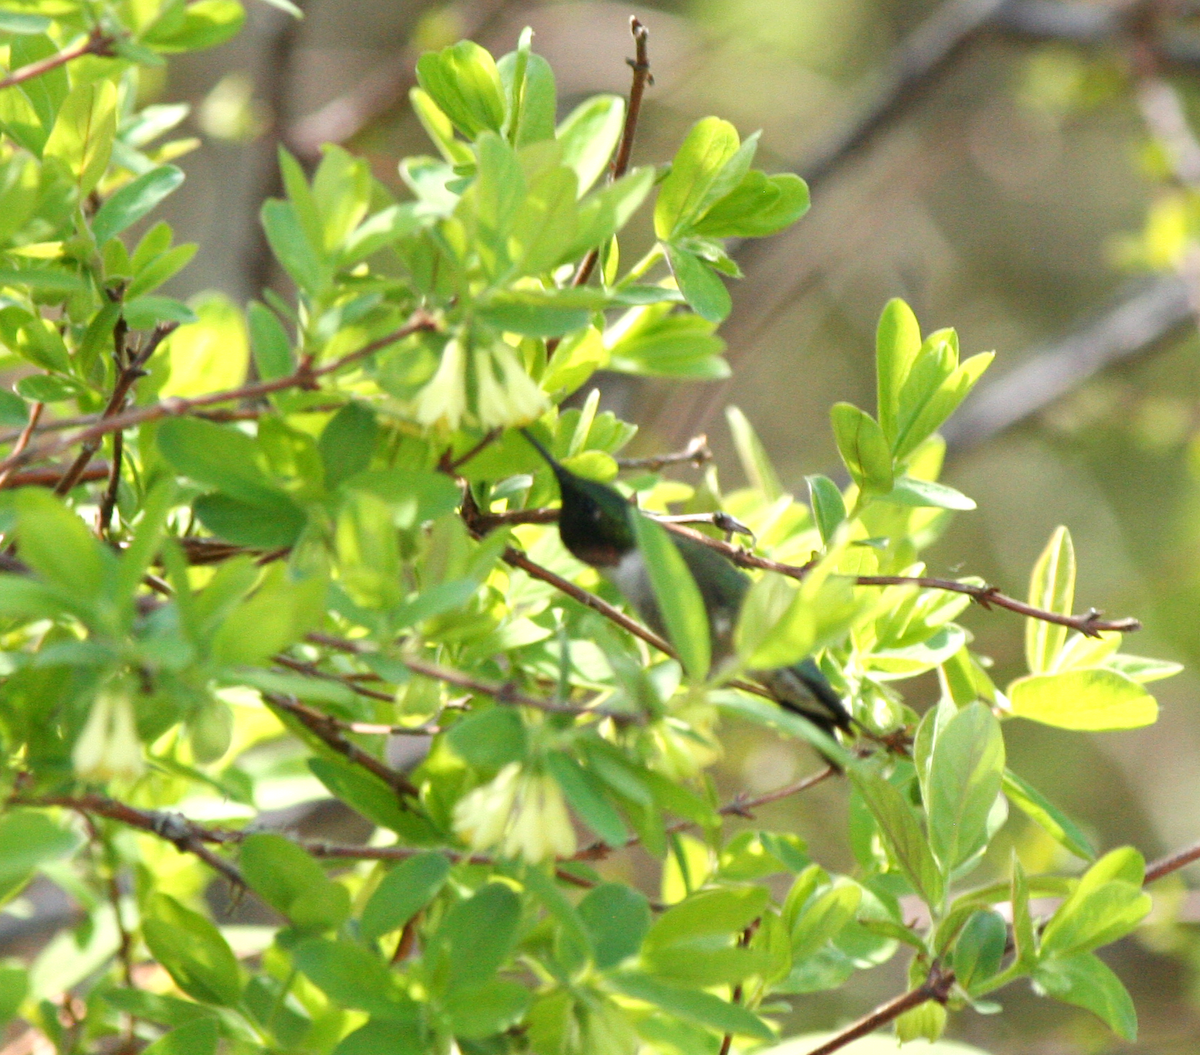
526	400
482	815
493	405
541	827
108	747
522	813
444	399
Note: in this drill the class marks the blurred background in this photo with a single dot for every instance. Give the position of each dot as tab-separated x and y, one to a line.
1022	170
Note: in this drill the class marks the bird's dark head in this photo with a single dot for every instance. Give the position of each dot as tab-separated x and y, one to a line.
595	520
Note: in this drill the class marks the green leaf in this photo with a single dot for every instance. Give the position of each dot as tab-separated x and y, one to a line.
218	456
897	342
464	82
341	194
59	546
268	338
370	796
706	914
616	918
403	892
589	134
83	132
194	1038
699	284
603	214
30	839
760	205
531	119
965	773
1085	981
14	411
863	447
909	491
158	270
534	313
277	614
1024	937
1089	699
901	831
157	1007
204	24
1051	587
651	342
752	455
692	1004
289	880
14	988
1106	904
134	200
274	522
417	496
292	246
822	918
192	951
699	161
476	936
353	977
828	506
678	597
210	354
980	948
23	23
347	443
543	226
930	412
381	1037
484	1010
489	739
1142	669
586	796
1047	816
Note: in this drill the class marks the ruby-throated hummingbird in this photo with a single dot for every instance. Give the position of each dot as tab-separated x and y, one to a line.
596	525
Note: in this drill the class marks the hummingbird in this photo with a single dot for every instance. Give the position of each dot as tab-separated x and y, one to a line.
596	526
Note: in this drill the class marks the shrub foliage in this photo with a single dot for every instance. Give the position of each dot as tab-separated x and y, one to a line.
222	597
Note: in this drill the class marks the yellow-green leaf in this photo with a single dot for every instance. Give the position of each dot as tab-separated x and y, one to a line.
1090	699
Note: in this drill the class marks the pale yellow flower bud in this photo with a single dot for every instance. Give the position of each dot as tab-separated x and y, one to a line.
444	399
524	814
108	748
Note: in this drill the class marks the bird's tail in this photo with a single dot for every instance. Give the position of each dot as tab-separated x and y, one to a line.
804	689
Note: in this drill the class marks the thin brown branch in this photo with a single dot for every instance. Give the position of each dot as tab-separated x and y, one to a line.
1164	866
127	377
517	559
936	987
641	78
697	453
97	43
329	732
35	413
1090	623
310	670
185	835
501	693
304	377
109	501
739	806
488	439
50	475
